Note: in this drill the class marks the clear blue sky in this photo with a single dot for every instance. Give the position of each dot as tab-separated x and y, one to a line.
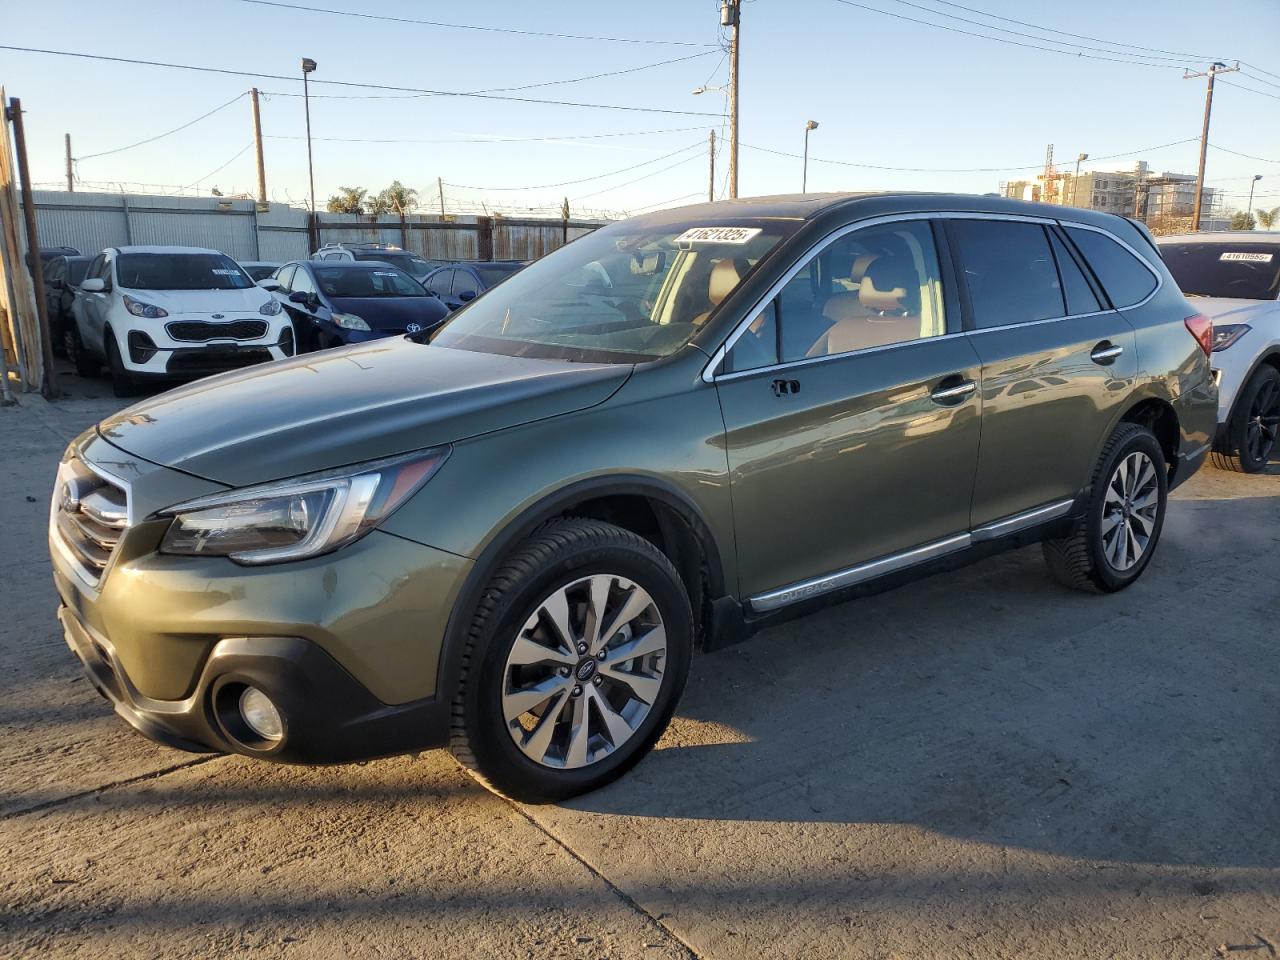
885	91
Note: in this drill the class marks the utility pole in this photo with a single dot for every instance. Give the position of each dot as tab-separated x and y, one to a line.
1214	69
440	189
71	180
257	146
49	382
711	153
804	179
731	16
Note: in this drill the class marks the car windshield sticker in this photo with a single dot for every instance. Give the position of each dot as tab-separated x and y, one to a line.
383	273
737	235
1247	257
223	272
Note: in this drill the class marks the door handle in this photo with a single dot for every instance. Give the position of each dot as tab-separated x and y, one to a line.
785	388
956	392
1106	352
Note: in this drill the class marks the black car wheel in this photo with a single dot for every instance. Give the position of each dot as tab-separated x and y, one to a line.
1254	425
122	382
576	657
86	364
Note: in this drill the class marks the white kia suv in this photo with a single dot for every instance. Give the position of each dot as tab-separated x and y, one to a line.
173	313
1234	279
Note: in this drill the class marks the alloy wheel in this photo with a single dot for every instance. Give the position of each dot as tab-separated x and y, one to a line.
584	671
1263	424
1129	511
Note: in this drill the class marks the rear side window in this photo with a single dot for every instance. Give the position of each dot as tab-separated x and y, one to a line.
1080	296
1009	271
1123	276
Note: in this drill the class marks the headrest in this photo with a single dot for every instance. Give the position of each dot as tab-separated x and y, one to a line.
860	264
724	277
885	285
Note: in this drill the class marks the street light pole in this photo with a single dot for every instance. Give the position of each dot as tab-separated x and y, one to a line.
309	66
1076	178
804	180
1253	183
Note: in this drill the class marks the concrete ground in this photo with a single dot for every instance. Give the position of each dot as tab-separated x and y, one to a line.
978	765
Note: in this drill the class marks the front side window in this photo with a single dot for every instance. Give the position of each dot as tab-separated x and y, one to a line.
284	276
77	270
1123	276
626	293
1009	271
1241	271
180	271
463	282
302	282
438	283
352	281
870	288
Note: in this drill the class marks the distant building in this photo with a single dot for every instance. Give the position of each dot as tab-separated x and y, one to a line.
1169	197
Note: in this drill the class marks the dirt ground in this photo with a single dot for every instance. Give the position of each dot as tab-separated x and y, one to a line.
978	765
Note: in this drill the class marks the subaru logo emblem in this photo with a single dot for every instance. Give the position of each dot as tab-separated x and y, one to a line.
413	328
218	316
586	670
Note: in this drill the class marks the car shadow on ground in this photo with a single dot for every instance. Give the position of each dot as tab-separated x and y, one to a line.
991	704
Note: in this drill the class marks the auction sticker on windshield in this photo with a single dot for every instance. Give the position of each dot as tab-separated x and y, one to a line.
1247	257
718	234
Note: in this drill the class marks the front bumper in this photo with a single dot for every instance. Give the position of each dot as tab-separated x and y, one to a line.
157	355
348	645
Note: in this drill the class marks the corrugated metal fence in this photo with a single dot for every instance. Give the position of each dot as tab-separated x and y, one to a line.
247	230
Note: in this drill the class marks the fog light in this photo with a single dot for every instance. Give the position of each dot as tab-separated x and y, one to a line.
260	714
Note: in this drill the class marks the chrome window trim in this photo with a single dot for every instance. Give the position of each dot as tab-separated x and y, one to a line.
718	357
810	361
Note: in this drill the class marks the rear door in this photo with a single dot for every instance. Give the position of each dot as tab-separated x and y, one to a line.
95	306
1056	362
851	416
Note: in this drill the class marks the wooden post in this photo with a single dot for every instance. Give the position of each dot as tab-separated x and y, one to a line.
257	145
71	180
484	238
49	379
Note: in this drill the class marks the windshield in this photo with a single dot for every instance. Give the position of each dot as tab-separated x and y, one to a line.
403	261
180	271
1240	271
620	295
492	275
260	271
362	282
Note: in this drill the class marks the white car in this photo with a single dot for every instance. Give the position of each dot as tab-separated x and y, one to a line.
1234	278
173	313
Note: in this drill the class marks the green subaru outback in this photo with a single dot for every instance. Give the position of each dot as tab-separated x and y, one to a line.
666	435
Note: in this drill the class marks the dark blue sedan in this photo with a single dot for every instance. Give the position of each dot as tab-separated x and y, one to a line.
461	283
341	302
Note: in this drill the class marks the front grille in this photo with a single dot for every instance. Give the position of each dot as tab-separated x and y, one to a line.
201	330
89	517
203	362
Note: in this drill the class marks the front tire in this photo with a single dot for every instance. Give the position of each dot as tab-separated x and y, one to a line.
1253	429
577	655
1111	544
86	364
122	383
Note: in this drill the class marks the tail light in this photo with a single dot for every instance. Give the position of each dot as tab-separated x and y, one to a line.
1201	327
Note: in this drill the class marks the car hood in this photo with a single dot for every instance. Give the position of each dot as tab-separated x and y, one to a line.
393	313
1222	310
204	301
349	405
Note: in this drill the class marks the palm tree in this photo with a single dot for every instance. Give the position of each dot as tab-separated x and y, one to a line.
1268	218
348	200
397	199
1242	221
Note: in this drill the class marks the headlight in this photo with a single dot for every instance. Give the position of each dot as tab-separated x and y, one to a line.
297	518
140	309
350	321
270	308
1227	334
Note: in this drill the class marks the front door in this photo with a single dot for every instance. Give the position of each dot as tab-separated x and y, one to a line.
851	415
1056	362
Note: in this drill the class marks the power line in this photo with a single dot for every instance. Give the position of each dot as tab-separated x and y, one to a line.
351	83
526	86
569	183
1078	36
647	176
546	139
161	136
1237	153
1240	86
1015	43
1259	69
663	203
238	154
470	26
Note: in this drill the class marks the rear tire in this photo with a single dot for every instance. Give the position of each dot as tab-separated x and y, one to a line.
122	383
1251	433
545	709
1111	544
86	364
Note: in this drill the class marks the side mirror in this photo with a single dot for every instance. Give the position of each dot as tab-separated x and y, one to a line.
299	296
93	285
466	296
269	283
